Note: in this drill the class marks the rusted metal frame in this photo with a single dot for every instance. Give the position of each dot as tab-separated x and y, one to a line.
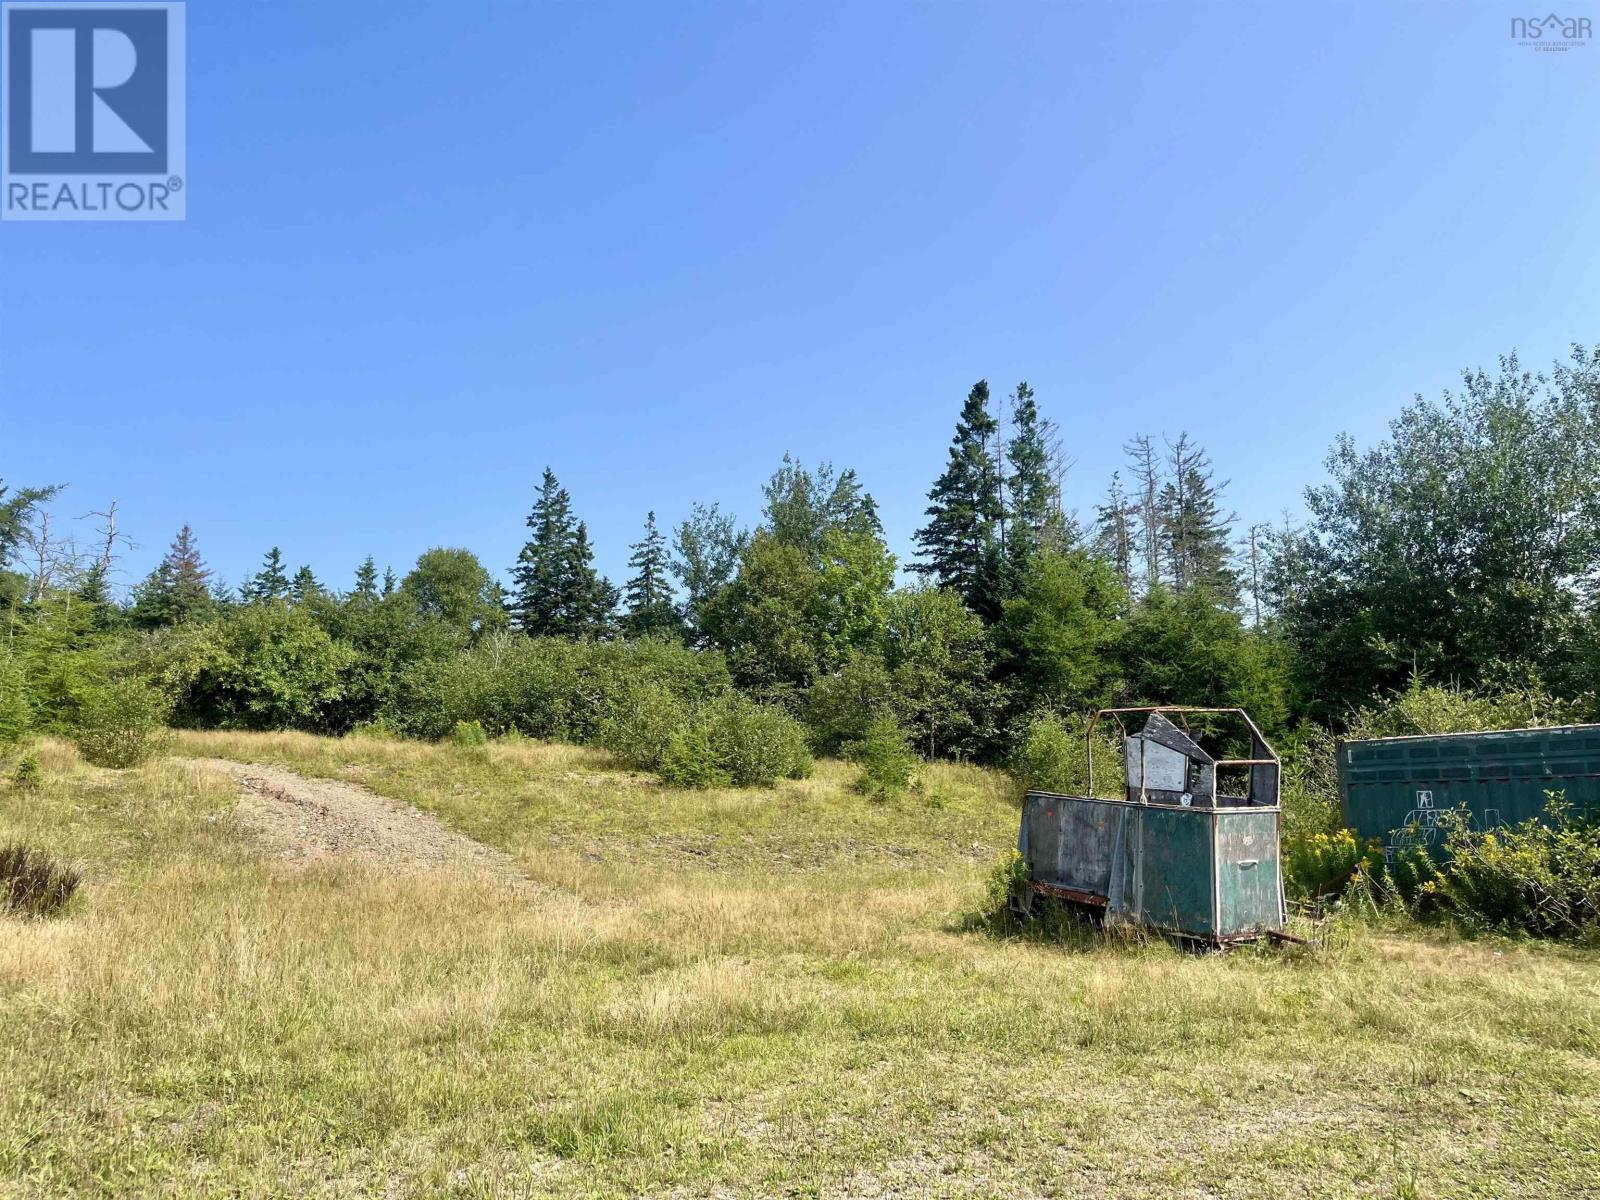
1056	891
1116	714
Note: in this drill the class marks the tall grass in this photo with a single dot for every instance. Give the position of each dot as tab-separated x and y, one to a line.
742	993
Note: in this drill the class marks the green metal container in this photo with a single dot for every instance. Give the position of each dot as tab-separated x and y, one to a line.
1396	789
1206	873
1174	852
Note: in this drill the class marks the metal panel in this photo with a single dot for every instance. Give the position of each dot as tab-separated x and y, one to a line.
1176	855
1076	843
1395	789
1248	872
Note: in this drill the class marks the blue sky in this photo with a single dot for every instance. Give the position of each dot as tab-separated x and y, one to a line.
434	247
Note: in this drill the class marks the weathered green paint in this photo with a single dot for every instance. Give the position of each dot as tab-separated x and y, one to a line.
1395	789
1249	874
1177	891
1209	873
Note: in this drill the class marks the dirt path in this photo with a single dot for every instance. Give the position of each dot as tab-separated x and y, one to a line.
317	820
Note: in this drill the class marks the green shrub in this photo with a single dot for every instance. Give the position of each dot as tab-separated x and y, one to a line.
840	706
1319	864
266	666
32	884
757	744
468	734
16	713
550	688
885	758
691	759
734	741
641	724
1053	757
122	723
1536	878
1429	708
27	777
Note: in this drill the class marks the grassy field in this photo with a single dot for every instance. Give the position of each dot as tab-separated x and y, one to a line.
758	993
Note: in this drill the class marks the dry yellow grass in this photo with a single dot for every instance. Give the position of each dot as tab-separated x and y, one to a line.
763	993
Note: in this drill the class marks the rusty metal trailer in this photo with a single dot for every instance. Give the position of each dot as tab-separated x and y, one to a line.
1173	852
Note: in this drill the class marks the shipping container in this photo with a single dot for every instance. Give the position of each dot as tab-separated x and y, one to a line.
1397	789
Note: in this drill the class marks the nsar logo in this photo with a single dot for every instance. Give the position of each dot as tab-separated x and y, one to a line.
92	112
1551	32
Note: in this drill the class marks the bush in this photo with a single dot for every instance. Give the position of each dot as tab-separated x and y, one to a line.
266	666
550	688
468	733
1537	878
1051	757
735	741
691	759
1323	864
27	777
32	884
840	706
1429	708
758	744
642	723
885	759
122	724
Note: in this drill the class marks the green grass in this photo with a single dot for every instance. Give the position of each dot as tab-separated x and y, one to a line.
728	993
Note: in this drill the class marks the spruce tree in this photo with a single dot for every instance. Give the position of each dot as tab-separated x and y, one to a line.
1114	531
595	597
178	591
960	543
1035	515
366	581
269	583
389	583
555	588
304	586
1198	533
649	591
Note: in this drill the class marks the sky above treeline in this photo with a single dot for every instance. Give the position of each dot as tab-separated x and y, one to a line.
432	248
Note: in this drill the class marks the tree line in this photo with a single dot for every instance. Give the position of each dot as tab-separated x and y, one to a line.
1463	548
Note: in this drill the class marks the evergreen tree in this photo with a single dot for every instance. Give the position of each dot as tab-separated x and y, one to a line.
1114	532
960	542
269	583
649	591
390	583
366	582
1198	532
304	586
178	591
1036	517
595	610
15	513
556	589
